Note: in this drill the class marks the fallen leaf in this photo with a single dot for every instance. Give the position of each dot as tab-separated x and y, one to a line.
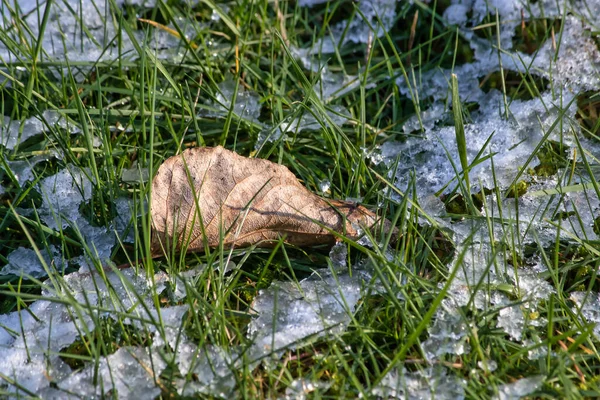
205	195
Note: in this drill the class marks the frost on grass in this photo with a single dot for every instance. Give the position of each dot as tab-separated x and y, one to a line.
429	383
289	314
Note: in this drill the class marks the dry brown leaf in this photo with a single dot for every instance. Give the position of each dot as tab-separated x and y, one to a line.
207	193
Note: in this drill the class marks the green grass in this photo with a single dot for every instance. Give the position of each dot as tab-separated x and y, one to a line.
143	108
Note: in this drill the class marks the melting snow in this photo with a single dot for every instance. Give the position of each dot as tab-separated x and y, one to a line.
447	335
289	313
63	193
25	262
29	350
432	382
588	306
511	142
373	19
299	389
519	389
214	368
129	373
85	31
488	365
246	106
29	341
23	169
12	134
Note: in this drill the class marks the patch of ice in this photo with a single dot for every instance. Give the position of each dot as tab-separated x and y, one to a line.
582	209
432	382
30	341
330	86
537	349
213	369
377	18
269	134
135	174
124	220
512	321
429	118
478	264
170	332
456	14
215	16
11	133
435	84
62	194
308	59
480	268
324	185
447	335
577	64
333	86
520	388
305	121
25	262
247	103
129	373
289	313
588	306
90	28
336	115
183	280
507	9
310	3
339	256
23	169
120	292
511	144
531	287
299	389
488	365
